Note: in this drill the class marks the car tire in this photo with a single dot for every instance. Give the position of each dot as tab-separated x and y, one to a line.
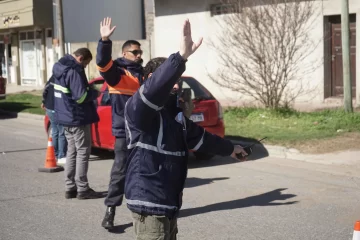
203	156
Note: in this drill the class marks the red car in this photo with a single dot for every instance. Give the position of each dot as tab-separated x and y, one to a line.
207	113
2	88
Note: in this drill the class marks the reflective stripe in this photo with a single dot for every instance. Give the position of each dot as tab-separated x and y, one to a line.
147	102
156	148
61	88
82	99
148	204
106	68
127	128
200	143
122	91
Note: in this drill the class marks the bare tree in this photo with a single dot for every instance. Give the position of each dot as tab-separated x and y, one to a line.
263	48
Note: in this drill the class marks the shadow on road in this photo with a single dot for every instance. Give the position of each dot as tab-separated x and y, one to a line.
195	182
10	110
120	228
98	154
265	199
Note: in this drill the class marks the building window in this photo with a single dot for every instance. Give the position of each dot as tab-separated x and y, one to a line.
222	8
30	35
38	34
49	33
22	35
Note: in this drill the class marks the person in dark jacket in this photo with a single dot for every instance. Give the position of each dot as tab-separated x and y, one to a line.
76	111
123	76
159	137
57	130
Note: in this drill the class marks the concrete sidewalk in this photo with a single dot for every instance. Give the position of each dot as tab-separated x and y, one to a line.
11	88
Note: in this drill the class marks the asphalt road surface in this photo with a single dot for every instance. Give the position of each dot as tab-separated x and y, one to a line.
262	199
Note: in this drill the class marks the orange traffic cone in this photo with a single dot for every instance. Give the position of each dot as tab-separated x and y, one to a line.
356	234
50	161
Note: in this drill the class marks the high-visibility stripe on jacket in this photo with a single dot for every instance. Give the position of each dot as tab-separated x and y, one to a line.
127	86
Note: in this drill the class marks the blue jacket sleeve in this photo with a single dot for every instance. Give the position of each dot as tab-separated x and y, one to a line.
108	70
198	139
45	92
153	94
79	89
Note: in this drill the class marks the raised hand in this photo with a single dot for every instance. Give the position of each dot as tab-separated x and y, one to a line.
105	28
187	46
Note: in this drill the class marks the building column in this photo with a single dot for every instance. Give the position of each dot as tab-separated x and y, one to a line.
15	57
357	59
43	72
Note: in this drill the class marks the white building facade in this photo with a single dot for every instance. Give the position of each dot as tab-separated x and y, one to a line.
326	80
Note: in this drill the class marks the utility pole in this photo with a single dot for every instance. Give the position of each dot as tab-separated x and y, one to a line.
59	27
345	38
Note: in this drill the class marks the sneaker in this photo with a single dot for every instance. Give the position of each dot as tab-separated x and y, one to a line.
71	194
89	194
108	221
61	161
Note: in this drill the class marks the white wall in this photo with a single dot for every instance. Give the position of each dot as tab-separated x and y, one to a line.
168	22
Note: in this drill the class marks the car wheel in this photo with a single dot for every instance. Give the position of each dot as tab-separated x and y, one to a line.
203	156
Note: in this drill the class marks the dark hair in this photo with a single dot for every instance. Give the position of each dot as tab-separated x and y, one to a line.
84	52
128	43
152	65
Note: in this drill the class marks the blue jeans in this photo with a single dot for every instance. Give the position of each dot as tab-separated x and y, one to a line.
58	136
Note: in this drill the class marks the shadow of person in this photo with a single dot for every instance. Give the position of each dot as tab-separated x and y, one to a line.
195	182
102	194
98	154
120	228
265	199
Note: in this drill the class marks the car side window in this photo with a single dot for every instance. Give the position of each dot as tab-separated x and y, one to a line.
105	100
185	85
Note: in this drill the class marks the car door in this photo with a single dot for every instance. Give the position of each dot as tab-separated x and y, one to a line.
205	111
104	137
97	84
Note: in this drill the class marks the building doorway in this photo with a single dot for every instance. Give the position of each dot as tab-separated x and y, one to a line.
335	78
5	60
30	58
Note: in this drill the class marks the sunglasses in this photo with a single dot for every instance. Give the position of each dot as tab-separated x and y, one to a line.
136	52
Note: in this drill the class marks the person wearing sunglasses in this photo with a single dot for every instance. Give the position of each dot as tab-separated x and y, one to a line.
123	76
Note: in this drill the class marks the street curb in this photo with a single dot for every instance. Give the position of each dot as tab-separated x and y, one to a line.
23	115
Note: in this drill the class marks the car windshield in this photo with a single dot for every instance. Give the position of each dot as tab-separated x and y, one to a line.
198	91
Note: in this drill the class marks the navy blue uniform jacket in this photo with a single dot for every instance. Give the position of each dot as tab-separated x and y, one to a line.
74	99
123	77
158	141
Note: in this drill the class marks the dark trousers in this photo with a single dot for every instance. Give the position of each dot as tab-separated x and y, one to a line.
117	176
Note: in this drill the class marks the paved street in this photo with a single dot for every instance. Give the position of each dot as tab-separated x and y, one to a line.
262	199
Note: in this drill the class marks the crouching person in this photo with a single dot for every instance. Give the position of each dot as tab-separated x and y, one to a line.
159	137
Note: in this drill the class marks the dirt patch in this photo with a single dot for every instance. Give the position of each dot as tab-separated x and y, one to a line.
346	141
